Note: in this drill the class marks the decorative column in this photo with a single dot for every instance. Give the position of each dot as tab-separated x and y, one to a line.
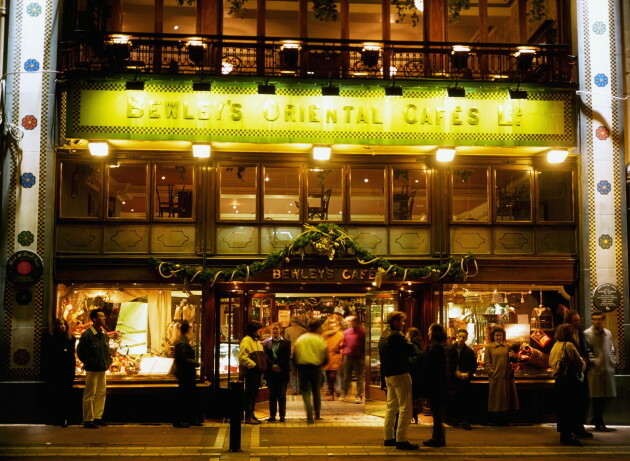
603	208
28	180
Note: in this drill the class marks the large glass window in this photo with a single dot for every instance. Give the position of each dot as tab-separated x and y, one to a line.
409	195
80	186
237	192
281	194
174	189
367	194
230	335
469	195
127	192
513	195
555	196
325	194
137	16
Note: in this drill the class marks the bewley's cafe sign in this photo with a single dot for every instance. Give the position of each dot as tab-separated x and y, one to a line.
325	274
488	118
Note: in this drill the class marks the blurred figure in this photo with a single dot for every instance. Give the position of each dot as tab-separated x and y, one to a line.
436	376
334	340
463	363
498	361
310	355
567	376
253	364
291	334
278	352
354	357
416	363
59	366
185	371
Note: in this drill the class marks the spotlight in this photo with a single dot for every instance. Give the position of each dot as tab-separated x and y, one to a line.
456	92
393	90
524	58
98	149
557	156
135	85
330	90
321	152
201	86
289	53
518	94
265	88
196	51
459	57
445	154
370	54
201	150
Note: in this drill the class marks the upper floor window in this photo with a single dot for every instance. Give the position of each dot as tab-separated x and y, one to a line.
127	192
555	196
281	194
470	195
173	191
367	194
409	195
238	186
325	194
513	195
80	189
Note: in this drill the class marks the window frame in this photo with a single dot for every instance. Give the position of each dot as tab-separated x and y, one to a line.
489	195
532	194
107	218
572	171
390	190
154	167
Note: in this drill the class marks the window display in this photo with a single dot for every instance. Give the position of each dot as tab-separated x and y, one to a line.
142	324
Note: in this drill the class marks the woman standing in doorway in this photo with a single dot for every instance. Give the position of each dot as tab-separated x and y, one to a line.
498	361
253	363
60	365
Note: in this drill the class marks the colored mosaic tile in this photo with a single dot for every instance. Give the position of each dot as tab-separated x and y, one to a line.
21	356
29	122
599	27
27	180
34	10
602	133
605	241
31	65
601	80
25	238
603	187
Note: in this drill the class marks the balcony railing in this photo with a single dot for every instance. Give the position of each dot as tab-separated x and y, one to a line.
273	57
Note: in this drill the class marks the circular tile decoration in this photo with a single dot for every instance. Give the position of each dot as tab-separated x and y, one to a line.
599	27
21	356
34	10
31	65
25	238
603	187
27	180
29	122
601	80
602	133
605	241
23	297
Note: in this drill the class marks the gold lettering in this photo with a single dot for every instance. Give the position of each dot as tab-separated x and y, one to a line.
439	115
154	107
312	274
372	274
410	114
289	113
220	110
329	274
321	273
172	109
377	116
361	116
134	107
285	273
425	117
271	111
456	118
313	114
473	116
363	274
331	115
345	274
204	112
355	274
295	273
236	112
348	110
187	115
276	273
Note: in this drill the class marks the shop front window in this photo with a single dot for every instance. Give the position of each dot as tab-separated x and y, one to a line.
80	185
325	198
513	195
367	194
174	188
127	192
555	196
470	195
409	195
237	192
230	335
142	325
281	194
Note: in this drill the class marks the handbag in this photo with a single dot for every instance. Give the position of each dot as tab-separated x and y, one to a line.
563	369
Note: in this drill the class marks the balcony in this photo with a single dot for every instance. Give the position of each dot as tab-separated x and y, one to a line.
323	59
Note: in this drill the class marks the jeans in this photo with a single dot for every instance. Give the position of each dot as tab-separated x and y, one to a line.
310	381
293	376
277	385
356	364
399	400
94	395
252	385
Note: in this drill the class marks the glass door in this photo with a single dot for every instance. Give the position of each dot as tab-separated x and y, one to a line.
261	310
378	308
230	335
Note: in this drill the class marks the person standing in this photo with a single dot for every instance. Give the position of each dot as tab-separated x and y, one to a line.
292	334
601	379
395	351
416	365
463	363
583	399
567	377
353	358
252	361
334	341
185	371
498	360
310	355
436	372
278	352
93	351
59	369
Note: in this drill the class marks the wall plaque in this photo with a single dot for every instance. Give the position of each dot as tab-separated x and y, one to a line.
606	297
24	267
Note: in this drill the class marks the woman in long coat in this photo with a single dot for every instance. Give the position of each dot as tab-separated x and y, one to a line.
415	369
498	360
436	377
334	339
59	368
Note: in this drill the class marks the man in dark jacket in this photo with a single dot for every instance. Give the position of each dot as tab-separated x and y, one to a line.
278	352
93	351
463	364
394	351
185	365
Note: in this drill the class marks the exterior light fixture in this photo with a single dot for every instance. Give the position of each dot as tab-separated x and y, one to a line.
445	154
419	4
393	90
557	156
201	86
321	152
266	88
518	94
370	54
524	58
201	150
98	149
196	51
134	85
459	57
330	90
289	55
456	92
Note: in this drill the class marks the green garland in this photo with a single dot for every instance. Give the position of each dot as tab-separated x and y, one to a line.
326	240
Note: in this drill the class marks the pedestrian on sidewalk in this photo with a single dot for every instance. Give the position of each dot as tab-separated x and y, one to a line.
394	351
278	352
291	334
416	365
334	342
601	379
59	366
498	363
93	351
185	371
568	368
437	382
353	358
310	355
463	363
253	363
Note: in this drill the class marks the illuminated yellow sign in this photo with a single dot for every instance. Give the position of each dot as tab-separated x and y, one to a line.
487	119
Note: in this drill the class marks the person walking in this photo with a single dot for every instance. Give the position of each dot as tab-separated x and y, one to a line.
394	352
278	352
498	361
567	366
602	359
59	369
353	358
334	341
291	334
252	361
185	371
463	363
437	383
310	355
93	351
416	365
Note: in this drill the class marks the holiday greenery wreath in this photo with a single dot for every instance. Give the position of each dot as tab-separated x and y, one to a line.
326	240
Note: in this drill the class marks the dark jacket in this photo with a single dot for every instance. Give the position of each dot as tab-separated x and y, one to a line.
93	350
185	362
465	361
59	360
436	372
282	358
416	365
394	351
